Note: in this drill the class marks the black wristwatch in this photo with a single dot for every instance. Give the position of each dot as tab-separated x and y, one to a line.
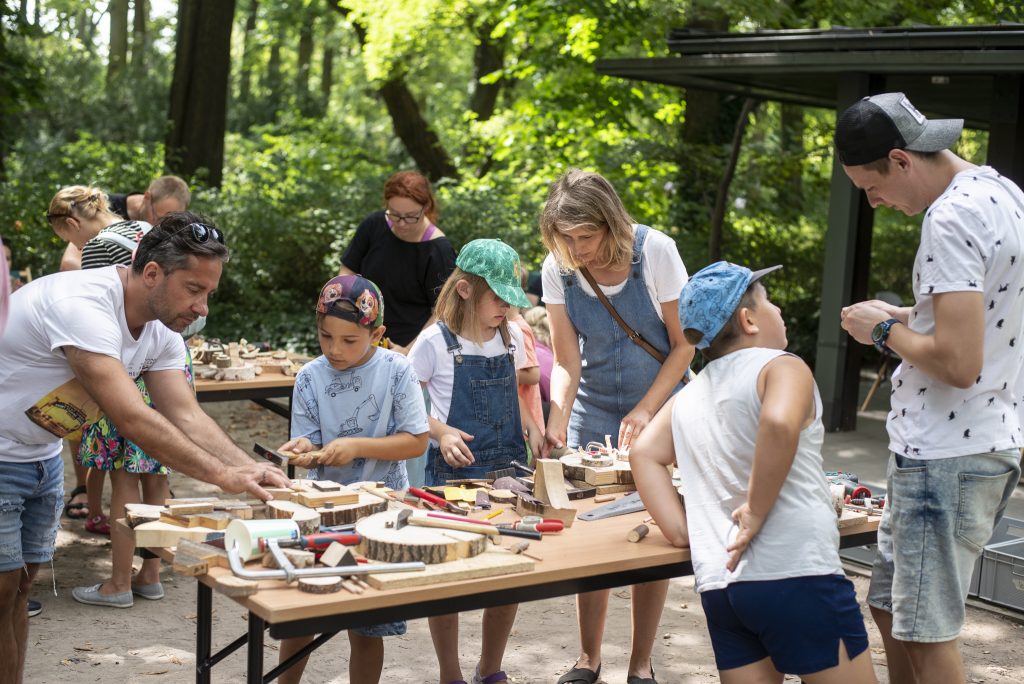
880	334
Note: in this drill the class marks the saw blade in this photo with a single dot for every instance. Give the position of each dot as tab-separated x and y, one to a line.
630	503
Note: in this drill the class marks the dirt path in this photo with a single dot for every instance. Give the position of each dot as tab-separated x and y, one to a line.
154	640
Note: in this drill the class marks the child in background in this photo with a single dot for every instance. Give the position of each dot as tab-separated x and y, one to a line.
746	434
362	404
537	317
468	362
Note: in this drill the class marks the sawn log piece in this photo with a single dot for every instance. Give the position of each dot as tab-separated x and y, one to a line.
415	543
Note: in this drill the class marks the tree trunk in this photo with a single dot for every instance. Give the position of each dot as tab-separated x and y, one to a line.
199	89
305	58
327	61
37	12
118	56
248	55
488	57
23	12
722	194
140	38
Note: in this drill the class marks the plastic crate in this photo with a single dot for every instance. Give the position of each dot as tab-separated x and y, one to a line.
1007	529
1002	574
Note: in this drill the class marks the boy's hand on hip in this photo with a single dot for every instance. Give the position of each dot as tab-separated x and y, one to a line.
749	525
454	450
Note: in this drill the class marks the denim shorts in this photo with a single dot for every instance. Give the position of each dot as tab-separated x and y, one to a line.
797	622
382	630
31	500
938	516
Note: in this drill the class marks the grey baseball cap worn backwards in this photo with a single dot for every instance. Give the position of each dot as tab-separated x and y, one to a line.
869	129
710	297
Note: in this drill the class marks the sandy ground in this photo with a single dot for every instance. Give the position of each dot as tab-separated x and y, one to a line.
155	640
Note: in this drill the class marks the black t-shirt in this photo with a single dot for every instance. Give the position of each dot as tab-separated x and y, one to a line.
409	274
119	203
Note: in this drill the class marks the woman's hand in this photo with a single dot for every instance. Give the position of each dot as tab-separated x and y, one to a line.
553	439
749	525
453	448
632	425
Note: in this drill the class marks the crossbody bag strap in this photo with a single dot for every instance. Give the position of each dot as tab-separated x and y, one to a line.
632	334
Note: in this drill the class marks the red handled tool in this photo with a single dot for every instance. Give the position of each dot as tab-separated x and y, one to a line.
316	542
436	500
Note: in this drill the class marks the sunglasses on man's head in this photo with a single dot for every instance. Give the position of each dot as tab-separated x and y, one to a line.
200	233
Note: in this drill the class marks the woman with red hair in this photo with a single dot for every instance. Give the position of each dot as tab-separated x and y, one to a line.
401	250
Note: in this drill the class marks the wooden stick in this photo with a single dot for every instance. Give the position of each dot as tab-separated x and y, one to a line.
637	533
601	498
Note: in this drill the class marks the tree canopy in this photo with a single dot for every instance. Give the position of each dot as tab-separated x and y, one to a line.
490	98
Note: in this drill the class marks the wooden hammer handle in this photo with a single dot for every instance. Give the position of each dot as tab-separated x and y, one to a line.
454	525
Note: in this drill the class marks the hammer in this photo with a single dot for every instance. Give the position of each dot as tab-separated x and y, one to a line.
405	517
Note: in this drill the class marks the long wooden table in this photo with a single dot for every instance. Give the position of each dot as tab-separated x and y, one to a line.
264	387
587	557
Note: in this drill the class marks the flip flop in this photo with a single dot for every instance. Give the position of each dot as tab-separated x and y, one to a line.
77	510
580	674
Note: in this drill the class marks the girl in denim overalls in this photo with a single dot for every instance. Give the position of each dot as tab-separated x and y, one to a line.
468	364
602	382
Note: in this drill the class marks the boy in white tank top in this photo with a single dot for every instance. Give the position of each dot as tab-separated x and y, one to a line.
746	434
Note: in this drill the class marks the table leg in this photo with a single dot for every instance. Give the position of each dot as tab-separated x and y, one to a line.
204	630
254	667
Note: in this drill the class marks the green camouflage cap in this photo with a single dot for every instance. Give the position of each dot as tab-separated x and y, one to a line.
498	264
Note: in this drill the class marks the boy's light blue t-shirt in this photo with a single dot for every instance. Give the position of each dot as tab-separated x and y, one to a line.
380	398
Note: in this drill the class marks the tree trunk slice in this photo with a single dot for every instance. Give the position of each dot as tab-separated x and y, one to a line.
619	473
346	514
320	585
415	543
306	518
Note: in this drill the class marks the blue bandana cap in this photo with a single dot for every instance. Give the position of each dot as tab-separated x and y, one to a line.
711	295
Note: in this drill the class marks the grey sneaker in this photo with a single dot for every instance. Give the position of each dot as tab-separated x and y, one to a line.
93	597
153	592
34	608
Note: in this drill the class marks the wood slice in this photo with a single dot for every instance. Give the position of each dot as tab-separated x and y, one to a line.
345	514
619	473
527	505
502	495
320	585
306	518
415	543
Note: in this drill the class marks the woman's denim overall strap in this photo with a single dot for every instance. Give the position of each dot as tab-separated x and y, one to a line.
616	372
485	404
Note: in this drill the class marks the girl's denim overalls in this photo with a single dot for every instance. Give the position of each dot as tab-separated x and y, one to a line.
485	403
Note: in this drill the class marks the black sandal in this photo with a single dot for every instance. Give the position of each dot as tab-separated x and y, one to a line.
633	679
79	508
580	674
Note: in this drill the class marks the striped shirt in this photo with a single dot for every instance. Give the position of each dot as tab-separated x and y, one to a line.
110	246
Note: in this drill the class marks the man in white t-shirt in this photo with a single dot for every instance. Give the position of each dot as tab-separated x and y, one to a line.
74	345
954	428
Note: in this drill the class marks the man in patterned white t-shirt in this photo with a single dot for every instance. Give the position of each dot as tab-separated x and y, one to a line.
954	425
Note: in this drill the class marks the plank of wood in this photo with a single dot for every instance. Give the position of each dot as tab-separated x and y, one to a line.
214	556
490	564
229	585
179	520
190	508
315	499
138	513
618	473
192	500
187	565
325	485
549	483
158	534
850	518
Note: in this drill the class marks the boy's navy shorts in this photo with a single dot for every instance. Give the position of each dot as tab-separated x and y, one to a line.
797	622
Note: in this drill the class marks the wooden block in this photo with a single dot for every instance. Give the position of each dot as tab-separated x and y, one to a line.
618	473
189	566
326	486
217	520
337	554
320	585
297	557
606	489
637	533
492	563
315	499
190	508
214	556
850	518
192	500
527	505
281	493
158	534
306	518
229	585
179	520
549	483
138	513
